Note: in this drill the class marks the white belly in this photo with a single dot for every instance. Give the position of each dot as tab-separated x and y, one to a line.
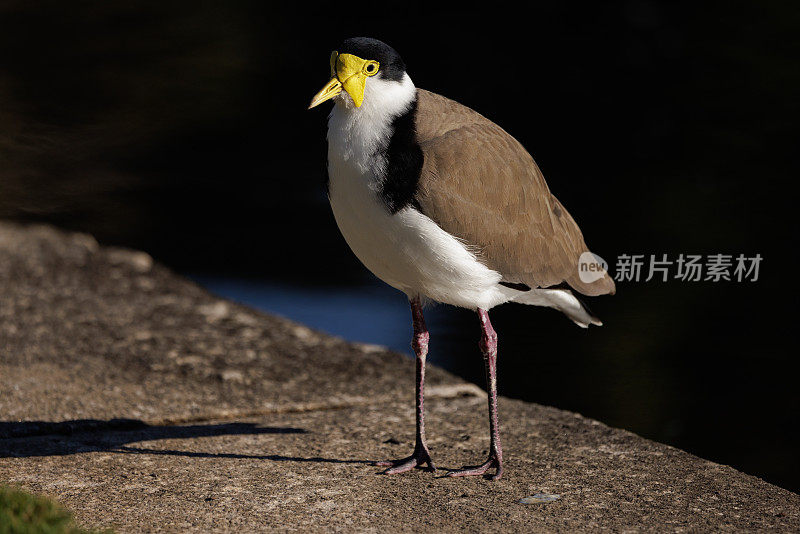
407	250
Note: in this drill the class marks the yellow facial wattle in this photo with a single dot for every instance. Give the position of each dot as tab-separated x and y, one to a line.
349	73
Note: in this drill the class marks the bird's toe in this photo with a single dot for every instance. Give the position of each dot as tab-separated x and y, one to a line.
480	470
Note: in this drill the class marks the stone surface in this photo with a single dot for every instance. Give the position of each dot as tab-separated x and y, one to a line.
144	403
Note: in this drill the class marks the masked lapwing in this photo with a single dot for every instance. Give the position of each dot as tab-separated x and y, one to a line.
444	205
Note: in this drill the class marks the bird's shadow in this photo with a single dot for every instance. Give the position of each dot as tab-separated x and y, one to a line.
39	438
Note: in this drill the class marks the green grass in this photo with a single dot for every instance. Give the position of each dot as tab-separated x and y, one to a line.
22	513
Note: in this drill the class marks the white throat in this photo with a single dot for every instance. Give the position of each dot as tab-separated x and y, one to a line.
357	135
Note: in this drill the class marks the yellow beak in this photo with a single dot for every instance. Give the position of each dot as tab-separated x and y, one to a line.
350	74
331	89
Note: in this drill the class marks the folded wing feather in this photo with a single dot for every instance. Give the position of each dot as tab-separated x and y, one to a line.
481	185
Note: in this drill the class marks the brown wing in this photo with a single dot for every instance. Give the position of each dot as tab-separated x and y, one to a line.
479	184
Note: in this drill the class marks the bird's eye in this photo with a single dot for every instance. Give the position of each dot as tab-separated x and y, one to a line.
371	68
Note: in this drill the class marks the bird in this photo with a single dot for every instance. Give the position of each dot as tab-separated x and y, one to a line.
444	205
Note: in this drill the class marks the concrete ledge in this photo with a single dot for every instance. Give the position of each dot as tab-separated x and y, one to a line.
144	403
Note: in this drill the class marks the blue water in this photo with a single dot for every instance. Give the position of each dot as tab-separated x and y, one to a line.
370	313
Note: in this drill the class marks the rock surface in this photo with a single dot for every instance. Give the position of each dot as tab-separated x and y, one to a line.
144	403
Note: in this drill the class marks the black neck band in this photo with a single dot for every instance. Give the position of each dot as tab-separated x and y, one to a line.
404	161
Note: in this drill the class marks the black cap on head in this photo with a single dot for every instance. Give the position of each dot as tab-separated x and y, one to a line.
392	66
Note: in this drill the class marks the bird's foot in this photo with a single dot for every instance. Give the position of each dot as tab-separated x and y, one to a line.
494	461
418	458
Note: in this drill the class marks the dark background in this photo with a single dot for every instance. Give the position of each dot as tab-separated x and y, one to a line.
665	127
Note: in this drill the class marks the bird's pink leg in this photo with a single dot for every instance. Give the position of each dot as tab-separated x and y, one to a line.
421	455
488	345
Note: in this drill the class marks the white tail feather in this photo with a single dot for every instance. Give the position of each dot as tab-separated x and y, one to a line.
563	300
